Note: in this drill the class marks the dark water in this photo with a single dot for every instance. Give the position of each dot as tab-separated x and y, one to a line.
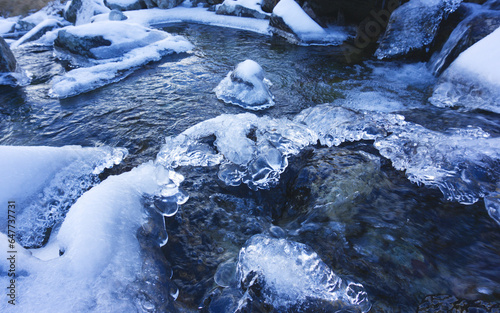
403	242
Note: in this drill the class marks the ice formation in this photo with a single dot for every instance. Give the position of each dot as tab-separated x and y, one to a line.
473	80
246	86
249	149
294	274
413	26
46	181
99	263
141	45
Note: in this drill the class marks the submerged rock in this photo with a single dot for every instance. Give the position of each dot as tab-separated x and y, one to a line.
246	86
125	5
413	26
242	8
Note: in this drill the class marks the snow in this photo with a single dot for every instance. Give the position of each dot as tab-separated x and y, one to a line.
111	70
89	9
473	79
246	86
46	23
101	268
294	274
7	25
298	20
157	17
242	7
251	4
45	181
122	2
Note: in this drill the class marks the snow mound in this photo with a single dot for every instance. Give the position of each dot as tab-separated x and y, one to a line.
246	86
101	262
249	149
46	181
294	274
141	45
473	80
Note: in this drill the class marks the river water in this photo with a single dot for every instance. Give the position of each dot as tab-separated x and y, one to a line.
401	240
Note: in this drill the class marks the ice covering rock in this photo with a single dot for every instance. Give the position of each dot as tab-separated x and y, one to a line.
119	49
290	21
246	86
473	80
46	181
413	26
293	274
335	125
101	261
244	8
249	149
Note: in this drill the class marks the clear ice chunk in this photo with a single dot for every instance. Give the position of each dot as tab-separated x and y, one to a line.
293	274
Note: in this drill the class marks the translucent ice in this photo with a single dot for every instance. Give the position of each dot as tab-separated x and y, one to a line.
246	86
293	274
473	80
249	149
46	181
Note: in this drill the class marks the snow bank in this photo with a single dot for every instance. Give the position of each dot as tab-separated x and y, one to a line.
99	264
246	86
473	80
158	17
293	274
45	182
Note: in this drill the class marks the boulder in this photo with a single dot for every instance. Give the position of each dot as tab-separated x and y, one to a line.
412	27
242	8
354	11
167	4
116	15
7	60
150	4
71	12
125	5
268	5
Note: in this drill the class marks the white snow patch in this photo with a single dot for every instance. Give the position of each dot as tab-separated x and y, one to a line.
473	79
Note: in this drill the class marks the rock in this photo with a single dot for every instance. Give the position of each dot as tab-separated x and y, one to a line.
37	32
328	11
71	12
468	32
116	15
167	4
242	8
412	27
448	303
122	5
7	60
268	5
150	4
246	87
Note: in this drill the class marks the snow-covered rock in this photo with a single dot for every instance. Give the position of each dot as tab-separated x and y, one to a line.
125	5
37	32
291	22
81	11
413	26
115	50
167	4
291	275
46	181
246	86
473	80
244	8
115	15
100	259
